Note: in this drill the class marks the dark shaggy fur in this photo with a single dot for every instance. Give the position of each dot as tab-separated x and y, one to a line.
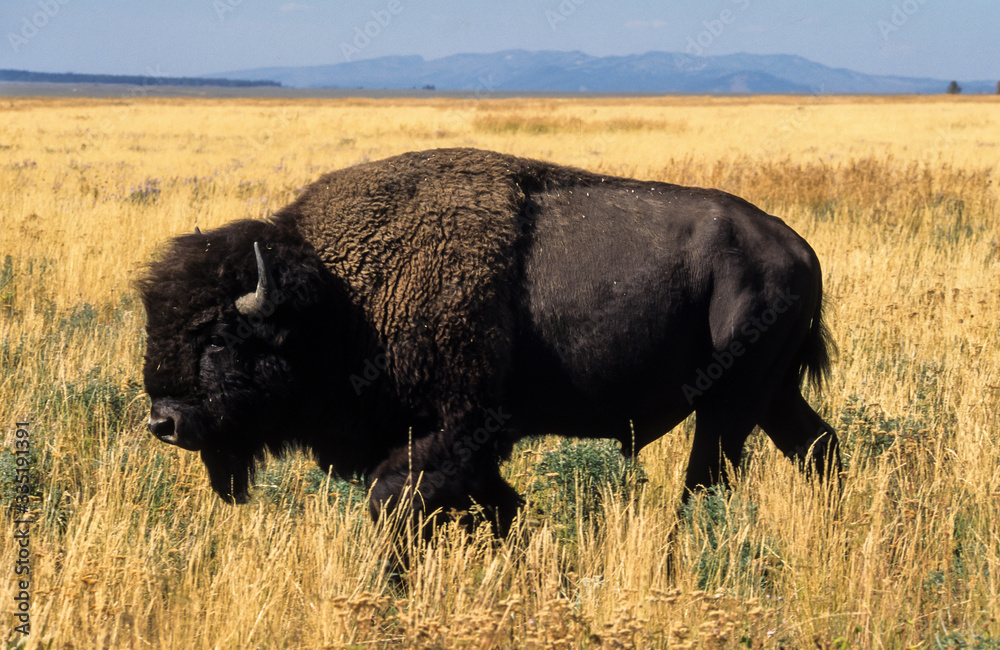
475	298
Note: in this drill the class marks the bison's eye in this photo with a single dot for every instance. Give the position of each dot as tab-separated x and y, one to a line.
216	342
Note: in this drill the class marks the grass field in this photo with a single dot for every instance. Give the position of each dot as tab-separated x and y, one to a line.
130	548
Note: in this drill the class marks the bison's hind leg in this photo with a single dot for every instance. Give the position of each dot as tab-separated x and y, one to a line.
720	431
801	434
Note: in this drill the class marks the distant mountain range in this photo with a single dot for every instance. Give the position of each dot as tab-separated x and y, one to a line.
653	72
515	71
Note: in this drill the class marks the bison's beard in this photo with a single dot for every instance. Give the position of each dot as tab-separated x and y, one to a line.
230	474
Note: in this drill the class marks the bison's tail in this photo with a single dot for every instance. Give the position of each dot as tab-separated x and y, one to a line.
817	349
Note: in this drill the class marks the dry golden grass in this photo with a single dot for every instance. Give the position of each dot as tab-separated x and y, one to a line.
131	549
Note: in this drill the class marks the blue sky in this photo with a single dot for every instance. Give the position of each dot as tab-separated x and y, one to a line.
950	39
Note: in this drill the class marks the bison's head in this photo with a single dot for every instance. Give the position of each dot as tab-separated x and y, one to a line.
232	345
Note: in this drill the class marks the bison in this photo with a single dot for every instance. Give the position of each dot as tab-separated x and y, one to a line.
408	320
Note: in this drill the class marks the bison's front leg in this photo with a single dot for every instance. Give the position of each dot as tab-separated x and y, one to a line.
427	483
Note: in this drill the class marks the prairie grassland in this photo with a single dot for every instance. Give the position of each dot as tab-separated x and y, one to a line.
129	547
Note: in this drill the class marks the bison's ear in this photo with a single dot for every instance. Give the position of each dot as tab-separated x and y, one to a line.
262	301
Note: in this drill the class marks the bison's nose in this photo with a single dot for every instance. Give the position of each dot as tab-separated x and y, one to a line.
168	426
161	427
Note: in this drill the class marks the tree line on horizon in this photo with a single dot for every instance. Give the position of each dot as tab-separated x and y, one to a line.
131	80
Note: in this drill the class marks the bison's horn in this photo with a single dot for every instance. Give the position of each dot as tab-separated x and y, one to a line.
197	230
254	303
